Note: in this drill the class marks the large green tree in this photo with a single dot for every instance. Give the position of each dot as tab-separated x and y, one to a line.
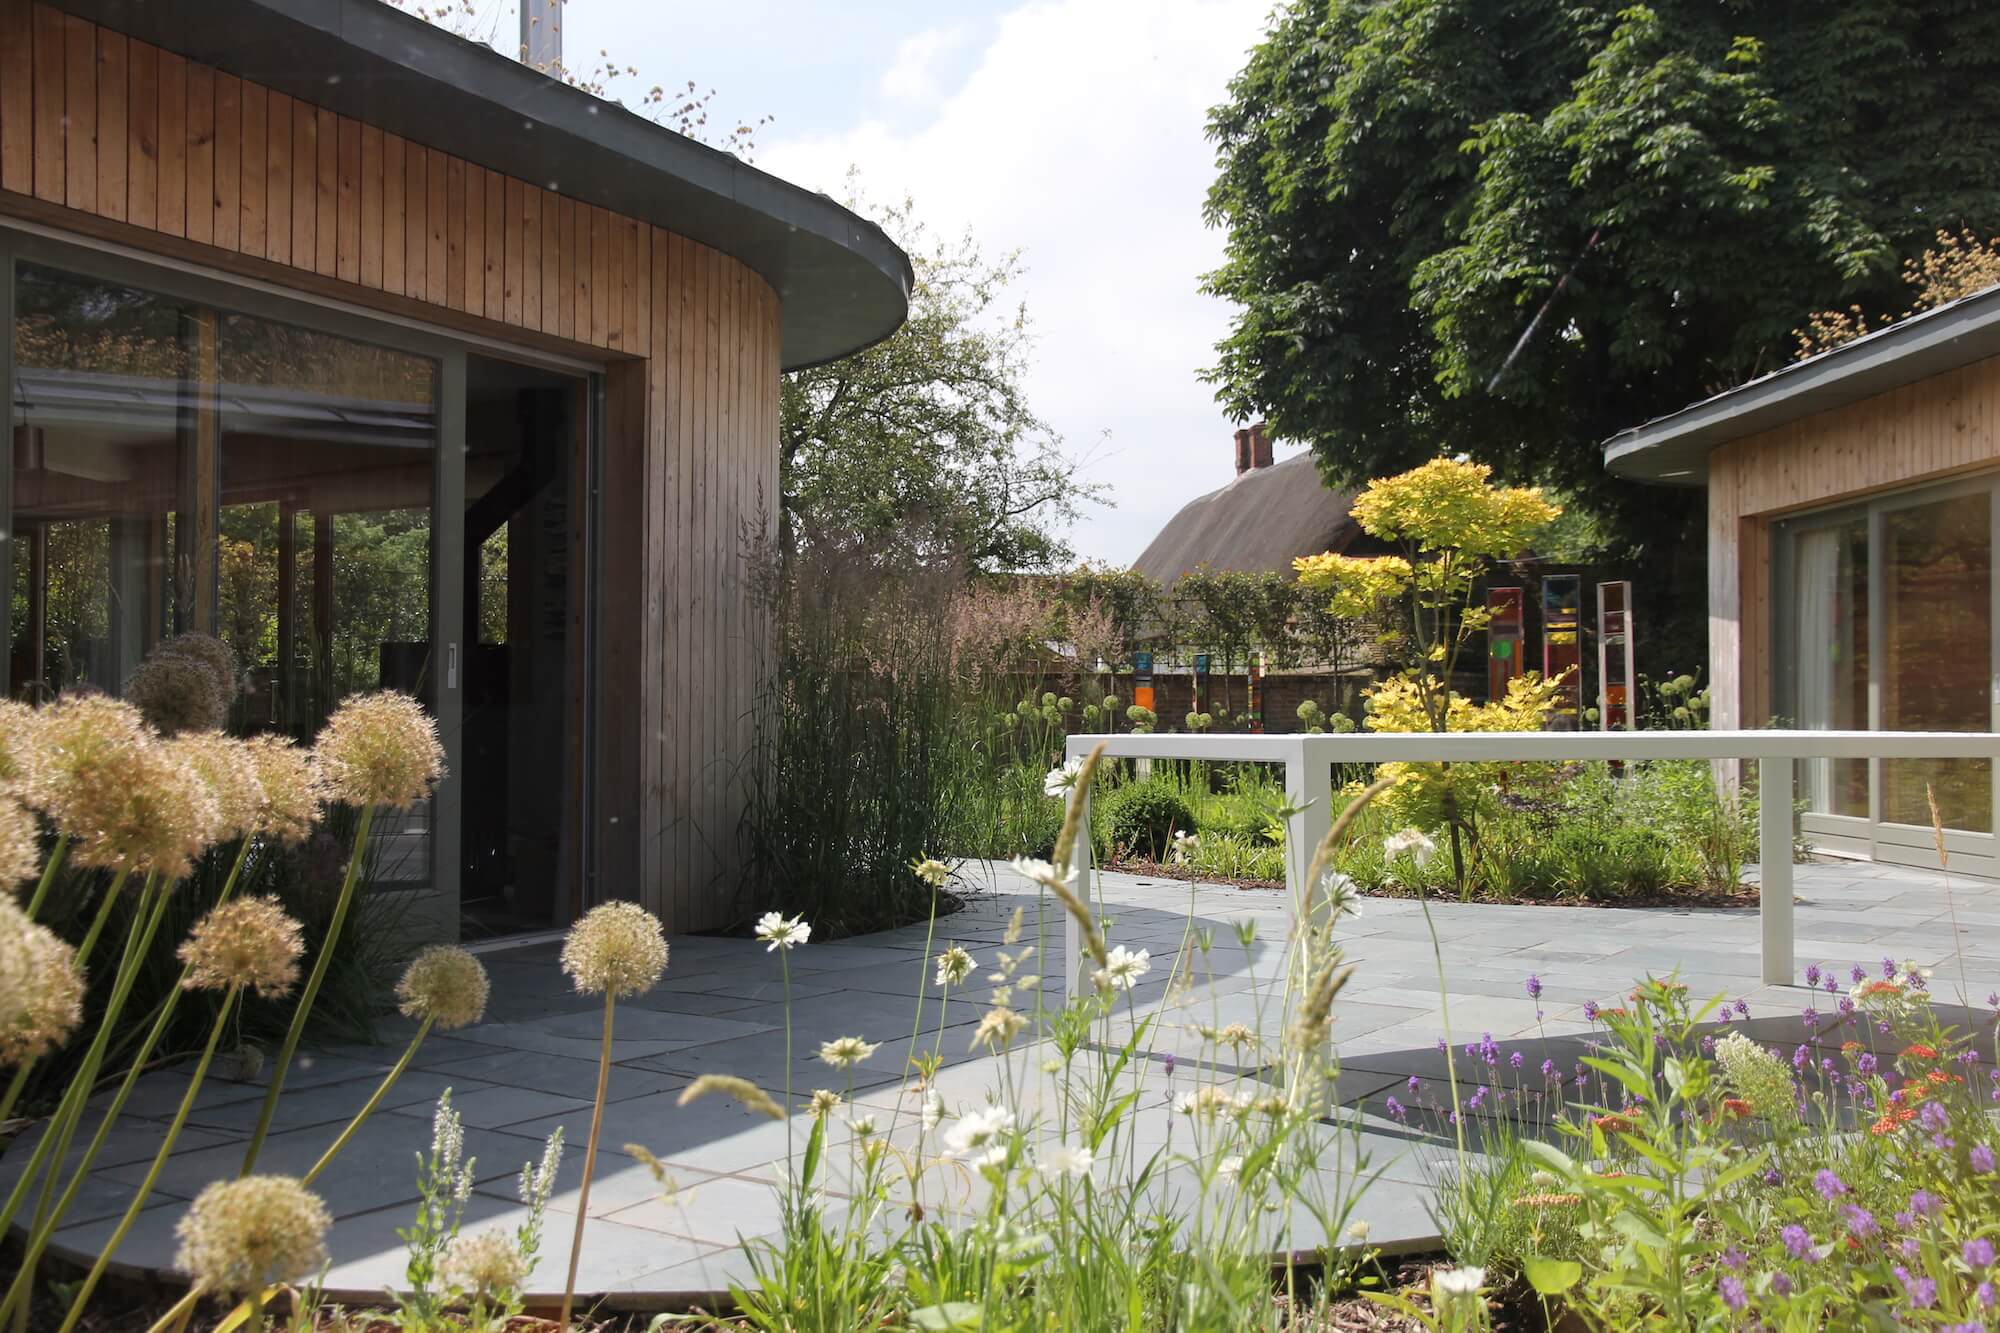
1405	184
923	448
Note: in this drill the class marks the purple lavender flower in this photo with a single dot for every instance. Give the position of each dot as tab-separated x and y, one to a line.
1396	1111
1934	1117
1773	1177
1413	1085
1742	1008
1590	1011
1780	1285
1802	1056
1488	1051
1812	974
1925	1204
1708	1045
1534	987
1833	985
1860	974
1442	1048
1986	1296
1904	1222
1798	1241
1911	1249
1993	999
1733	1294
1810	1017
1515	1059
1979	1252
1168	1062
1865	1063
1735	1258
1549	1070
1477	1100
1846	1006
1982	1159
1828	1184
1861	1223
1921	1291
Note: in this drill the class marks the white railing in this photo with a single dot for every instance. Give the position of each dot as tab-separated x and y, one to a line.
1309	760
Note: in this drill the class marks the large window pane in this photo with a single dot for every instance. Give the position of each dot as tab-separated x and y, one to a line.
1937	645
328	450
1830	650
102	414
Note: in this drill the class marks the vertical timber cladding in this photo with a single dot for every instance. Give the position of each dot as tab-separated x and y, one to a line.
121	140
1934	428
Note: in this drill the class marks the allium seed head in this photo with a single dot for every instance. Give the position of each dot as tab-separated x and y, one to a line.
445	984
41	988
486	1265
245	1234
231	774
176	692
290	782
109	785
217	656
20	748
618	947
379	749
20	843
249	943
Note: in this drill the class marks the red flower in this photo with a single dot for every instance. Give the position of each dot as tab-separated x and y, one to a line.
1613	1123
1919	1051
1735	1108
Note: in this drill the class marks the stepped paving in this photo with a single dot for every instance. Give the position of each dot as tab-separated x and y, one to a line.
530	1066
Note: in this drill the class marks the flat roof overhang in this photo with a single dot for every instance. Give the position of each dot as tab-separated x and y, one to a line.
843	284
1674	449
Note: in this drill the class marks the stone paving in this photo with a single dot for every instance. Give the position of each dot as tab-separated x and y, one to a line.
530	1066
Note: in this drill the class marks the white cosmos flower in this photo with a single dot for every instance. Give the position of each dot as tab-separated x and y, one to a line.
1411	842
1063	1160
1123	967
1041	872
846	1052
954	965
781	932
978	1135
1062	778
861	1126
933	1110
1453	1289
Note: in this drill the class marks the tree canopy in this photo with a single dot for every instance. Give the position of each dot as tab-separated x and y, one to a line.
1405	184
923	447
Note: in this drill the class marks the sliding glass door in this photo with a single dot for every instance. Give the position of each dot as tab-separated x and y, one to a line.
1884	617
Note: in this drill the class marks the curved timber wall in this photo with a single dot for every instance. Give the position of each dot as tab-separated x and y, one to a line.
107	136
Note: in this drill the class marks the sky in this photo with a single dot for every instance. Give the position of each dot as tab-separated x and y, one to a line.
1068	129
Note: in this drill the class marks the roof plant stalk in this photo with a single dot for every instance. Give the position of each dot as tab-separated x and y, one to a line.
1450	523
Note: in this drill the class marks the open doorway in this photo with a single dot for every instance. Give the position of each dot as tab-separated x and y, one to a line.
521	794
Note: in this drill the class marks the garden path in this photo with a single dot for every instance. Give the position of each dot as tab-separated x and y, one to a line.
529	1066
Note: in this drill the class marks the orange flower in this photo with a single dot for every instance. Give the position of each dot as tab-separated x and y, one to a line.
1919	1051
1615	1011
1886	1125
1613	1123
1849	1047
1735	1108
1880	988
1940	1078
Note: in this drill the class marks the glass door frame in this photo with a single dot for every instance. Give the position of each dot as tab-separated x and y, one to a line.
24	241
1874	837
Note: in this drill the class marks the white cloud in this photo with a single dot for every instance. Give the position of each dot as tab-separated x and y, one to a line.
1078	138
914	75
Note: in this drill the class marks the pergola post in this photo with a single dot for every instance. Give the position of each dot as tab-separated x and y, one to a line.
1774	865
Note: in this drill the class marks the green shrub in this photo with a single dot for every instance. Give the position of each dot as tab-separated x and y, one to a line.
1145	816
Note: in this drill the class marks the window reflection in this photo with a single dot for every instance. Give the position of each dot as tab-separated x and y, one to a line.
101	397
1830	648
180	467
1936	673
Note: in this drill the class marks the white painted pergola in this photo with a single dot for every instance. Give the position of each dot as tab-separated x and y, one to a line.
1309	760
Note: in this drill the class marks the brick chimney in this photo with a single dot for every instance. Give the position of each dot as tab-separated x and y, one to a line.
1260	446
1243	463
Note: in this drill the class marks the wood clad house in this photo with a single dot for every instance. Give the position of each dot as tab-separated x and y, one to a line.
395	363
1852	503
